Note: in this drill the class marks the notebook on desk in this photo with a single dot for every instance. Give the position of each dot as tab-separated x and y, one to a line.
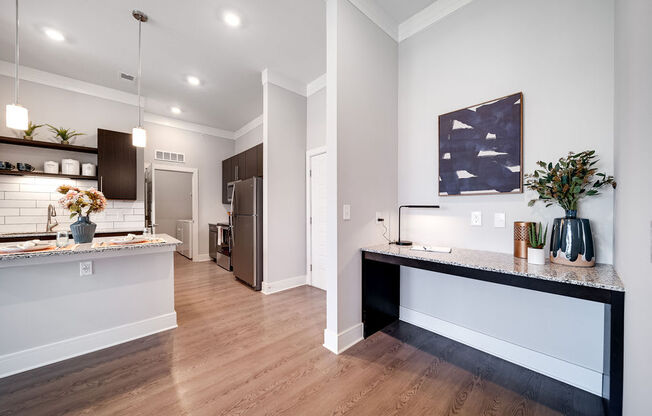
434	249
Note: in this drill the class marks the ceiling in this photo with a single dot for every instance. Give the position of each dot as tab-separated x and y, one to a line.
286	36
400	10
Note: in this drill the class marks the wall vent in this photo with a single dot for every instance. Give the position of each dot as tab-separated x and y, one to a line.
127	77
166	156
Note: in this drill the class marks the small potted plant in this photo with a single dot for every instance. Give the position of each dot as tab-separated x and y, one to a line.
565	183
64	134
535	251
29	133
82	204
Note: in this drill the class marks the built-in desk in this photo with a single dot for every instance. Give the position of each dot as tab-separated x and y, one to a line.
381	293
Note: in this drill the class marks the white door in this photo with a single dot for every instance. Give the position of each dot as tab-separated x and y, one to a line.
318	223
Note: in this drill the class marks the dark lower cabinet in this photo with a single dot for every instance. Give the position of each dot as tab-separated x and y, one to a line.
242	166
117	170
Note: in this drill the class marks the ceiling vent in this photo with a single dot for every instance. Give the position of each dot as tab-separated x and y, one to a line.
127	77
169	156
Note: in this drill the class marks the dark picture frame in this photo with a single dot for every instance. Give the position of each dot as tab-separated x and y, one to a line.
481	148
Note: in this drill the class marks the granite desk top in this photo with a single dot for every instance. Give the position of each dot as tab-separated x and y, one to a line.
602	276
89	248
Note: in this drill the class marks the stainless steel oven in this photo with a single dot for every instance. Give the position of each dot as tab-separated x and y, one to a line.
219	244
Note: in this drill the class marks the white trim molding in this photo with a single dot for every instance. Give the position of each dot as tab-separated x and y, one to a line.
338	343
186	125
248	127
573	374
377	15
280	285
429	15
270	77
316	85
202	257
25	360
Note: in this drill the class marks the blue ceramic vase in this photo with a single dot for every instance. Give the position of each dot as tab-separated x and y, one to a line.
83	230
571	242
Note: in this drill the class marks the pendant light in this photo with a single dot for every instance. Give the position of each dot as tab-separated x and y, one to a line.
17	117
138	134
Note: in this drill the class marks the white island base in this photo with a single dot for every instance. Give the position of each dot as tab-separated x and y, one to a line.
49	313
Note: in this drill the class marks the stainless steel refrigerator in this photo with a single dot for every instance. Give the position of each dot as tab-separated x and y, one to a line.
247	231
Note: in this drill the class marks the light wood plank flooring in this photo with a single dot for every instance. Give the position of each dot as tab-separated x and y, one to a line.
237	352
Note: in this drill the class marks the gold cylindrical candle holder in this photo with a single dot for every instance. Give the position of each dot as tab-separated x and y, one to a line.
521	238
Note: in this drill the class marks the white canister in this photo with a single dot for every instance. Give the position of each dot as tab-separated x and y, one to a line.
70	167
88	169
536	255
51	167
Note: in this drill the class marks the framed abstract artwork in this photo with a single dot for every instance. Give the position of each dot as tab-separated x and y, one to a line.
481	148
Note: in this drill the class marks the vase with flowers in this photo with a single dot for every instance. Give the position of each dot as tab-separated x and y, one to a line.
565	183
82	203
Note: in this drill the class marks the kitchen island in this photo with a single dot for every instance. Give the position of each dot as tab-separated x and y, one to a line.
49	311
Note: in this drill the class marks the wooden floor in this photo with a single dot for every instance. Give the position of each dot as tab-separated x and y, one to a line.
238	352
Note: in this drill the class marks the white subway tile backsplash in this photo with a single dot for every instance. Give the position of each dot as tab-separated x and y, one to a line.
128	204
130	224
40	187
16	179
26	220
2	195
9	187
37	196
2	220
133	218
34	211
18	228
9	211
118	211
8	203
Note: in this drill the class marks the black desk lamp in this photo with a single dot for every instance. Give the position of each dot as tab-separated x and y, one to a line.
404	242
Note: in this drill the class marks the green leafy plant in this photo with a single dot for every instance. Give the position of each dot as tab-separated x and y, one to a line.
537	235
31	128
64	134
570	179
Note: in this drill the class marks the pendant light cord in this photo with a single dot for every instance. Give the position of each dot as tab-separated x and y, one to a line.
140	23
16	79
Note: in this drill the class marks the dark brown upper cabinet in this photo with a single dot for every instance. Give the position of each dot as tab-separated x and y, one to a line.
117	169
242	166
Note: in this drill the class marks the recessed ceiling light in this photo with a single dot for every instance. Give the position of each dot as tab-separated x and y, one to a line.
54	34
192	80
232	19
175	110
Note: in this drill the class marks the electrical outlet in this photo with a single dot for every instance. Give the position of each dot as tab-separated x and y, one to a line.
379	217
85	268
476	218
346	212
499	220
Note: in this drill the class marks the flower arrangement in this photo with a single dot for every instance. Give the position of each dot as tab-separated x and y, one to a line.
80	202
572	178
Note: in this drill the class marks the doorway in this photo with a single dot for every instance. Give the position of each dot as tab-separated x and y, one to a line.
175	205
316	215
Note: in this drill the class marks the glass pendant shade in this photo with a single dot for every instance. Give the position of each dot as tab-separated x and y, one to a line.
139	137
16	117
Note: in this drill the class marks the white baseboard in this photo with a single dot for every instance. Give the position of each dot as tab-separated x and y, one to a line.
339	343
202	257
573	374
24	360
273	287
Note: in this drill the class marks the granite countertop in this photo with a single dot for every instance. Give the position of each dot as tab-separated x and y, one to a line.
89	248
602	276
36	234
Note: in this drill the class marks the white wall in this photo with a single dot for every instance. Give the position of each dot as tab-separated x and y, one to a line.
561	57
203	152
284	187
248	140
316	120
362	96
633	205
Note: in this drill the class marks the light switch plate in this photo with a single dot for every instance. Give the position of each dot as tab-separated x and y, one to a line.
476	218
499	220
85	268
346	212
379	216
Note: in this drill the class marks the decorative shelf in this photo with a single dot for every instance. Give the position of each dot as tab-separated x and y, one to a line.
47	145
51	175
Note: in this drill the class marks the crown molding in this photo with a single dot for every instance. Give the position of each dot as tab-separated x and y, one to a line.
248	127
429	15
377	15
69	84
271	77
185	125
316	85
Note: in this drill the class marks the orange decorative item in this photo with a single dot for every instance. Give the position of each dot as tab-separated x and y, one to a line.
521	239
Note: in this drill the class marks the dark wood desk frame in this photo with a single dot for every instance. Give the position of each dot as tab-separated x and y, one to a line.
381	296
